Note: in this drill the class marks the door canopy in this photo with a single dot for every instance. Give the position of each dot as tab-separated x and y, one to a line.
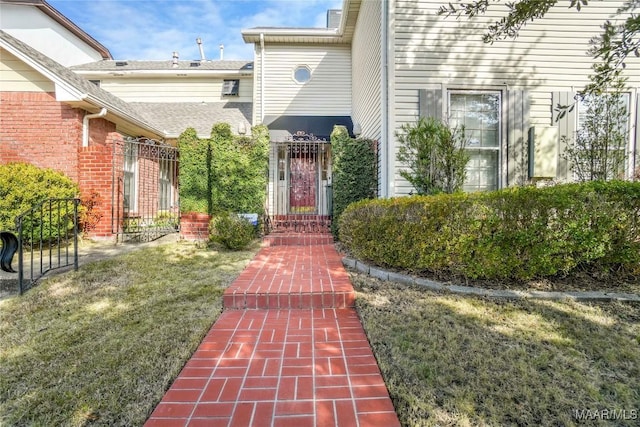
288	128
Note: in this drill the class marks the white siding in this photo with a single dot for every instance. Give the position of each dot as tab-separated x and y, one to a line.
176	89
16	76
366	53
548	55
28	24
327	93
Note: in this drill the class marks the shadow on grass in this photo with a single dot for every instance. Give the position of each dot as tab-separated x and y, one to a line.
453	360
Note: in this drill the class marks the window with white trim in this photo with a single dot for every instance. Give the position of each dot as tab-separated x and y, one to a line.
130	171
480	114
166	181
302	74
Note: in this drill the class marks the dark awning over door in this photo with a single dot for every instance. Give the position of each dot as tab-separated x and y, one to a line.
281	128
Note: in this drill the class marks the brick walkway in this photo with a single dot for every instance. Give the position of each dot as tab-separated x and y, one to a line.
288	350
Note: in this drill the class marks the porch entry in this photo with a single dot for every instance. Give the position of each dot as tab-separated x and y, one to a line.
302	196
300	192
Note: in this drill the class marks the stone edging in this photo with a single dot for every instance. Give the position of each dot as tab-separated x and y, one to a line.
491	293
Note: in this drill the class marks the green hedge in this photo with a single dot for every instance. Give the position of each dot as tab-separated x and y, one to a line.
224	173
517	233
22	187
354	168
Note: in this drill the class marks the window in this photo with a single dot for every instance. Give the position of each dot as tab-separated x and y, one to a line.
231	87
166	183
130	169
479	113
95	82
302	74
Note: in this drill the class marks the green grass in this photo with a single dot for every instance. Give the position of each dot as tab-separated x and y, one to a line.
454	360
100	346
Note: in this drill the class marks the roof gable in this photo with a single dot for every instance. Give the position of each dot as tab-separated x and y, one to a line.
65	22
71	88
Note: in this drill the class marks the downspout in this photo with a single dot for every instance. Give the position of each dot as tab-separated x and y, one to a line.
384	175
85	125
261	78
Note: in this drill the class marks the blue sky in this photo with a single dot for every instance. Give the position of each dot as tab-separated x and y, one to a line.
153	29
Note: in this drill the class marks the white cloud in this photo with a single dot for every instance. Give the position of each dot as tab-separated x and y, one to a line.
143	29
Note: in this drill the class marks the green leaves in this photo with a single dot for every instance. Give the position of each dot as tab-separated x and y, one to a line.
233	232
434	155
22	186
355	175
517	233
225	172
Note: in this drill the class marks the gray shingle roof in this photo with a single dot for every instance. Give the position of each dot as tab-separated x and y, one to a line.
127	65
114	104
176	117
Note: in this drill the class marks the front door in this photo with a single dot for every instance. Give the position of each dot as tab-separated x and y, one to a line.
302	190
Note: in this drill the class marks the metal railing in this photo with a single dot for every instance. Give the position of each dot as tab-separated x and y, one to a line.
47	240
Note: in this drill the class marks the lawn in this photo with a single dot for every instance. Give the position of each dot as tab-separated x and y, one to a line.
101	345
459	360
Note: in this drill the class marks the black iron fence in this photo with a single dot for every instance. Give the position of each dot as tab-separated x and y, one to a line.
47	239
145	191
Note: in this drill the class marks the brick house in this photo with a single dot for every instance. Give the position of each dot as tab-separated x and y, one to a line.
51	117
60	109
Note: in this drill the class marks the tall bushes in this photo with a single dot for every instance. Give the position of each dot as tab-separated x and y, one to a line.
195	173
517	233
225	172
354	171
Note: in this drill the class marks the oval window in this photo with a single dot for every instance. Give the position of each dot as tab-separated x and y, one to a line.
302	74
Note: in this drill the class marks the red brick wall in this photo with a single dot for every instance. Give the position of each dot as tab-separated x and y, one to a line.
194	226
96	173
36	129
148	169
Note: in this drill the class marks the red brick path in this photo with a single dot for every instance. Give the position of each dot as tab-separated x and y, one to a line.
288	350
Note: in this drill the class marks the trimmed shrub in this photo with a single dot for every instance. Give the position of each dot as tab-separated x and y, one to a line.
225	172
233	232
22	187
239	166
355	176
434	154
517	233
195	173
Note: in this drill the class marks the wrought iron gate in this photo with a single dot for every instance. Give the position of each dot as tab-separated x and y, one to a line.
145	190
301	179
303	176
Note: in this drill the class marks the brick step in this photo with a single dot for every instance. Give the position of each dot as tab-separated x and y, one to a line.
297	239
240	300
292	277
301	223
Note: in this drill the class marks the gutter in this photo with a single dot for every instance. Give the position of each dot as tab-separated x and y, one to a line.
85	125
262	91
384	175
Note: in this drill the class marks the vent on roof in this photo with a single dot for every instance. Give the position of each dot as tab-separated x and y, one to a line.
194	64
121	63
231	87
333	18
